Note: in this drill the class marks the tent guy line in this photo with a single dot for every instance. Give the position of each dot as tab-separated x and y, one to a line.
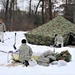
13	37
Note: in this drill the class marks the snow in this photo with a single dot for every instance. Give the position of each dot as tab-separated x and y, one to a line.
66	69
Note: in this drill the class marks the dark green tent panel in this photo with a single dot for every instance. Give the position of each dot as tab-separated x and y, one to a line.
44	35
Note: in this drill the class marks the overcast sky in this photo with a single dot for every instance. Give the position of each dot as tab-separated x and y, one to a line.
24	4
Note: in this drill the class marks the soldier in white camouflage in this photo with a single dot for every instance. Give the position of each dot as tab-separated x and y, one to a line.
58	41
25	53
2	30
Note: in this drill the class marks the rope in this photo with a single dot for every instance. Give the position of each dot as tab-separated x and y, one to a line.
13	37
21	35
3	51
7	54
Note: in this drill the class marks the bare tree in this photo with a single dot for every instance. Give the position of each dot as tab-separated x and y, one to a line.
6	11
11	10
43	11
30	7
50	10
37	6
3	3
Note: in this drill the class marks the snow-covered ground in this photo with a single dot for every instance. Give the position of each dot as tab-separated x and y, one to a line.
69	69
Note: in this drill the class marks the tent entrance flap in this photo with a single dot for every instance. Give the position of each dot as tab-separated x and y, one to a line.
71	40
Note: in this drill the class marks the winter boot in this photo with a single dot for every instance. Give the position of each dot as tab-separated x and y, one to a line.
2	41
26	63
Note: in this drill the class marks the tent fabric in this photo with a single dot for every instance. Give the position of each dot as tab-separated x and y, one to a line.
44	34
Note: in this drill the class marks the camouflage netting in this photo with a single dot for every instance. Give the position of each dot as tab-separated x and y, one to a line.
44	35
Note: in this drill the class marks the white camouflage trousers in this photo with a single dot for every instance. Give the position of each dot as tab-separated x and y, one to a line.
2	37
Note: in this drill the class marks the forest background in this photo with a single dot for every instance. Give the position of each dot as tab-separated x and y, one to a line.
24	15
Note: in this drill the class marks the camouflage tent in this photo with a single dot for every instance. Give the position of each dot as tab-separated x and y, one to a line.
44	35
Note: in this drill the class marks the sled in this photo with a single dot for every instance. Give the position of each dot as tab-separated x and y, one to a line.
15	56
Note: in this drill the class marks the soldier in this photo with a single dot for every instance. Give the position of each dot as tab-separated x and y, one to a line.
2	30
25	53
58	41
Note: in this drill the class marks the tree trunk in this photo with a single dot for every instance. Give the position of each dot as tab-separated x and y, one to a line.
42	11
30	7
37	6
50	10
6	11
11	13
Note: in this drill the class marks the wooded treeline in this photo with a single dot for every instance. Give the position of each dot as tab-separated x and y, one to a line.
15	19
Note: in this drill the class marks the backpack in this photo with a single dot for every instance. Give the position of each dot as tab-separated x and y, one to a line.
64	55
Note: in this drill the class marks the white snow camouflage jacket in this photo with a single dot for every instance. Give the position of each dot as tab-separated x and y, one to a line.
2	27
25	52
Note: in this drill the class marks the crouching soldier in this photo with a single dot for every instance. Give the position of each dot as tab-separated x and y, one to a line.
25	53
58	41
